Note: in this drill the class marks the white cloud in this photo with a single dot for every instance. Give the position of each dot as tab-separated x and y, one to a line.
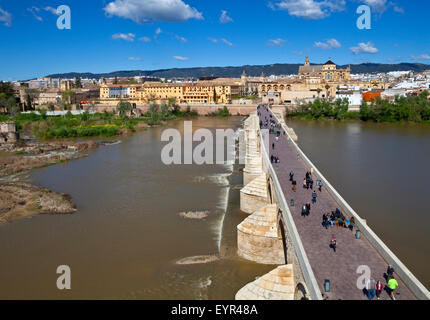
380	6
134	58
377	5
329	44
5	17
157	33
124	36
421	57
226	42
224	17
276	42
180	58
52	10
364	48
223	40
182	39
145	39
147	11
309	9
398	9
34	10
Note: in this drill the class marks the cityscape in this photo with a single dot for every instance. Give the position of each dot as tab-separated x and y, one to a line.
177	150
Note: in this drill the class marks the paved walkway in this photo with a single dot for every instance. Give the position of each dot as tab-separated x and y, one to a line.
340	266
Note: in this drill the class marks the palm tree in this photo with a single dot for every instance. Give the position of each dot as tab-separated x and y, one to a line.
319	91
327	87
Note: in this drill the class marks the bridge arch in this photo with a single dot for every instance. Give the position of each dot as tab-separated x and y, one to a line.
282	235
301	292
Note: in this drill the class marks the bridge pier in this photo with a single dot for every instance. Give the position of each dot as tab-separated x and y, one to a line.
259	238
279	284
254	195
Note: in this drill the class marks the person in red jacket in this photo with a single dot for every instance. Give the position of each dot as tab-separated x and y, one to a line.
379	288
333	243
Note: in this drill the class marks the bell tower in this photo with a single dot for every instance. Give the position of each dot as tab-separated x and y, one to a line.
307	64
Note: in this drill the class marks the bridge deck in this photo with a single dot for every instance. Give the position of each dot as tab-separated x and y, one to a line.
340	266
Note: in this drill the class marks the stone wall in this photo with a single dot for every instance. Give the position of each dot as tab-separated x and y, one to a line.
203	110
258	238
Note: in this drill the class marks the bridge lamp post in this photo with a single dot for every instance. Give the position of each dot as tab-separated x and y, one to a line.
327	285
357	234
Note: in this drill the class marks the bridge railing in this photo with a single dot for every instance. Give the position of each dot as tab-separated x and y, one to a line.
401	270
305	266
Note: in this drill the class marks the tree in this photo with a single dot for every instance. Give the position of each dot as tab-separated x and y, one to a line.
78	83
327	87
124	109
67	96
319	91
31	96
215	96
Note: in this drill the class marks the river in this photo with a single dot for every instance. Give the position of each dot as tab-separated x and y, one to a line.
382	171
126	236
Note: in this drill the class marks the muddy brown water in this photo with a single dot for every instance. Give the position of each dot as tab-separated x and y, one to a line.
127	235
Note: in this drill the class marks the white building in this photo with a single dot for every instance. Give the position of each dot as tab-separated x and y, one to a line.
354	97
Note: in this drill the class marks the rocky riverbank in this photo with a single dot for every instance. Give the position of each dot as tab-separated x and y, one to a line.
25	156
20	200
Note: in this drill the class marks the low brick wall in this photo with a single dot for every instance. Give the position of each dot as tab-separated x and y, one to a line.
239	109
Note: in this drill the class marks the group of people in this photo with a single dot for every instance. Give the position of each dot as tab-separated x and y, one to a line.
337	218
374	288
274	159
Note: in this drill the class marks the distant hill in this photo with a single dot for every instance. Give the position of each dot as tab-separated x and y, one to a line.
235	72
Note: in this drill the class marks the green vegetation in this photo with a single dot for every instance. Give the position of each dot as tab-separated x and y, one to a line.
222	113
8	102
106	124
323	109
410	109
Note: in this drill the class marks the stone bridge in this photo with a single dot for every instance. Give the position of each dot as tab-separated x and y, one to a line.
276	234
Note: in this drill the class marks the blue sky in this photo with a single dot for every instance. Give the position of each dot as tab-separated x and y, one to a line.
111	35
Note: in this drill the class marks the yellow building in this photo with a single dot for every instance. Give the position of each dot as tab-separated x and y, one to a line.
327	72
202	92
315	81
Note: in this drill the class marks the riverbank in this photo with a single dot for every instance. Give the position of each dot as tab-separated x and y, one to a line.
19	200
26	156
56	144
414	109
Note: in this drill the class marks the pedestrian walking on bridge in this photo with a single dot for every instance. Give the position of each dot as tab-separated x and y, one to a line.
371	288
333	243
314	197
392	286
